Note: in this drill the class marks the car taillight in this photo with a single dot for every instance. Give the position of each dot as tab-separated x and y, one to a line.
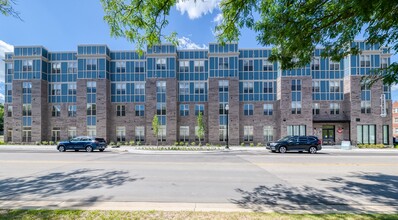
319	141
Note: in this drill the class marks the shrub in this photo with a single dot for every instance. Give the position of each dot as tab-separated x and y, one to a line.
118	144
132	143
208	144
218	145
44	142
112	143
182	143
138	143
126	143
37	143
186	143
176	143
251	144
193	143
259	144
242	144
51	143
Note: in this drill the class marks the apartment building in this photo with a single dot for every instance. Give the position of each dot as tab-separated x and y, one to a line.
115	94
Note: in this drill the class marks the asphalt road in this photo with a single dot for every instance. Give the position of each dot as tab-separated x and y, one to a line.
330	181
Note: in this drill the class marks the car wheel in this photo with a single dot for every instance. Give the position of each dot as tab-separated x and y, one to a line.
61	148
282	149
101	150
312	150
272	151
89	149
76	150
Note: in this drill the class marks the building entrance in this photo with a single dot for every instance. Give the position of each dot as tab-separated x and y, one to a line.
328	135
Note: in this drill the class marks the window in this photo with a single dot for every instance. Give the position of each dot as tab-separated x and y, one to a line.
385	134
248	133
396	131
120	67
223	63
27	110
365	98
56	67
72	132
222	131
267	65
120	134
366	134
268	87
120	110
395	110
27	65
334	108
315	108
91	131
196	134
296	107
296	97
248	87
184	66
247	65
72	111
184	133
199	65
71	88
248	109
334	65
162	133
161	86
384	62
120	88
199	108
161	108
315	64
268	109
334	86
139	134
91	64
9	111
91	87
139	88
26	87
315	86
72	67
91	109
296	85
55	89
293	130
56	111
9	135
9	68
160	63
395	119
268	133
56	134
365	60
199	87
139	110
139	66
184	88
27	134
184	109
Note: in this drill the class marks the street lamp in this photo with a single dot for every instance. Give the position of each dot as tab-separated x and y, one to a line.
226	111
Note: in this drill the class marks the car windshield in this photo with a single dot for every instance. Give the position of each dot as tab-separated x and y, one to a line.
285	138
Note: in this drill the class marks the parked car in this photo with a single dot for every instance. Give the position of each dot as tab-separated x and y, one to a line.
296	143
395	141
88	144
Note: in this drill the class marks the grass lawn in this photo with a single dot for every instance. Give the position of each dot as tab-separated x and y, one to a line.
80	214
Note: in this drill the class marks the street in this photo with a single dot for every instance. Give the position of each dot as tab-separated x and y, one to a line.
329	181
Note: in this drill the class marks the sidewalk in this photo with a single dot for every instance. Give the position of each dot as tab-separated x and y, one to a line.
139	149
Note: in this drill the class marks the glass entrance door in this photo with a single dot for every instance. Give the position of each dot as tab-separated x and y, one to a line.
328	135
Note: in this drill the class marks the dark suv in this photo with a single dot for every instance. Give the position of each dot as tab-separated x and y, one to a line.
296	143
88	144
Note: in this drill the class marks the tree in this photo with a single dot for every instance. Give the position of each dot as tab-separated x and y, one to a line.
155	128
1	118
293	27
7	9
201	127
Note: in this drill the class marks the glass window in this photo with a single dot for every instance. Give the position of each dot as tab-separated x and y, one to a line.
27	134
9	111
139	88
120	67
184	88
56	67
91	64
268	134
184	133
139	134
268	109
72	88
120	88
248	87
160	63
315	64
315	108
139	66
91	109
222	63
199	87
222	132
91	87
120	134
56	111
247	65
161	108
334	86
296	107
385	135
384	62
91	131
139	110
366	134
72	67
315	86
365	60
248	133
334	65
27	110
334	108
199	65
248	109
72	132
184	109
9	135
27	65
267	65
199	108
162	133
184	66
120	110
72	111
268	87
56	134
294	130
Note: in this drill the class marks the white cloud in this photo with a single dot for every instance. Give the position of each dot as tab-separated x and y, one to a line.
218	19
186	43
4	47
197	8
394	87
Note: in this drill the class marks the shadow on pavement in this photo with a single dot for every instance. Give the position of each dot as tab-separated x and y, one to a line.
364	190
61	182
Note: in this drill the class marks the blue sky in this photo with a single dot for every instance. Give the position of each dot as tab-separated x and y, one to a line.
62	25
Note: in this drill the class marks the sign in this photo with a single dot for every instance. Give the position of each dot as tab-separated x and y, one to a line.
340	130
383	105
